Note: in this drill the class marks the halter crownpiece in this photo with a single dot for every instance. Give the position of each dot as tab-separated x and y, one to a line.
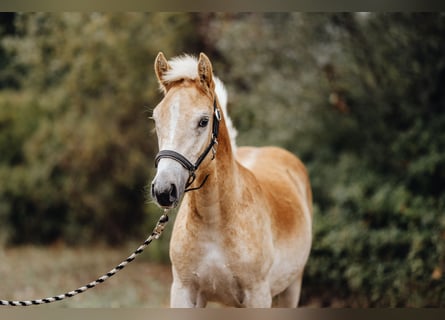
170	154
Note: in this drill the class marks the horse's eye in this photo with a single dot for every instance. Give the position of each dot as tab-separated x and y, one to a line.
203	122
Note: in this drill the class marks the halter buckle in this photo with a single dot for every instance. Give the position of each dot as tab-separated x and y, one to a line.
217	114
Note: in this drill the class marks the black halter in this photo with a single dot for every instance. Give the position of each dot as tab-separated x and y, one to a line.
185	162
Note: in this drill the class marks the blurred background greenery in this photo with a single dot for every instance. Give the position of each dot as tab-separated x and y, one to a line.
359	97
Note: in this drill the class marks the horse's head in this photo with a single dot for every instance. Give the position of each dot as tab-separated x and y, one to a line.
185	124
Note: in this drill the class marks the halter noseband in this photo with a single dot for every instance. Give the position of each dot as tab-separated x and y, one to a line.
170	154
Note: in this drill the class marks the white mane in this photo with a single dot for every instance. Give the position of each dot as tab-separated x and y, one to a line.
221	93
186	67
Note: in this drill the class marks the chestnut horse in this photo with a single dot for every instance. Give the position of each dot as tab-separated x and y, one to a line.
243	233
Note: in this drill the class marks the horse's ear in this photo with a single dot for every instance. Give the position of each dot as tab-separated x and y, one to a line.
161	66
205	72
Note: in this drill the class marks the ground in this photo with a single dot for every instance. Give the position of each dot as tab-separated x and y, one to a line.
37	272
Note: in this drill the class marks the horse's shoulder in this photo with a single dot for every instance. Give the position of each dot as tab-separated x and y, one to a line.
284	180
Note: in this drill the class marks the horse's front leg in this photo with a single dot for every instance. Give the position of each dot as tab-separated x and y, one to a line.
181	297
185	296
258	297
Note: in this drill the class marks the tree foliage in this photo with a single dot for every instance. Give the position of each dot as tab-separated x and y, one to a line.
79	162
359	97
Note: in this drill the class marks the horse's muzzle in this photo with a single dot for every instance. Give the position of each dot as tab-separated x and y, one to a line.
166	197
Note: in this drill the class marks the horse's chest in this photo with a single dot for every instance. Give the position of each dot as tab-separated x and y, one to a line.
212	267
215	275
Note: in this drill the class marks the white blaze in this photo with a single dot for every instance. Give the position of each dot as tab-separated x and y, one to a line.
173	124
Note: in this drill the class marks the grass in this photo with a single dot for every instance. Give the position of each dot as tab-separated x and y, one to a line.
28	273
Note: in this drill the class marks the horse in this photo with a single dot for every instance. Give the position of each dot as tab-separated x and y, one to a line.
243	232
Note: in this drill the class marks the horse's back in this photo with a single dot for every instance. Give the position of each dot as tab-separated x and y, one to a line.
275	166
284	180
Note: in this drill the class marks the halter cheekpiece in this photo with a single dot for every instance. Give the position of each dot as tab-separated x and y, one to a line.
185	162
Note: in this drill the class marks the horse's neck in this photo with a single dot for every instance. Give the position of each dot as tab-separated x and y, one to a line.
211	203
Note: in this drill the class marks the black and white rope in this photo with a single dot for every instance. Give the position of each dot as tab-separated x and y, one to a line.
157	231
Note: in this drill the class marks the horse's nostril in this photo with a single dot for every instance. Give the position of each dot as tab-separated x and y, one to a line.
173	193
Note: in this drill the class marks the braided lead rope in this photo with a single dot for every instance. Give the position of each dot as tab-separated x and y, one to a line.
156	233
